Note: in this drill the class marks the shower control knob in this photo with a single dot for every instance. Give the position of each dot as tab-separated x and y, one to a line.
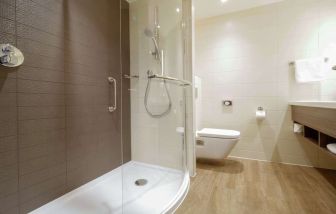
9	60
10	56
7	48
5	59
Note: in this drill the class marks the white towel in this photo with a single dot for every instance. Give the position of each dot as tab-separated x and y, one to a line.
310	70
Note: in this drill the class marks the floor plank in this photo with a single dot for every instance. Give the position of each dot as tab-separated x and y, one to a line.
239	186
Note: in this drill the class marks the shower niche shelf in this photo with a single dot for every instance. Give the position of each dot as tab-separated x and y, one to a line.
319	125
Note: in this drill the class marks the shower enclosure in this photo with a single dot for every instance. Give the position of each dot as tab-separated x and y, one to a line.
93	120
157	92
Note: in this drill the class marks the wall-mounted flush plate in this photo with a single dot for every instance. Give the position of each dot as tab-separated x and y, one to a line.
10	56
227	103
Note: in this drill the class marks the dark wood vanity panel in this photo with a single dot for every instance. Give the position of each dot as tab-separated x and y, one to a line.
320	119
319	125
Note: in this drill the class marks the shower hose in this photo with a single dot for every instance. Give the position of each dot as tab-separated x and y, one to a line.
146	100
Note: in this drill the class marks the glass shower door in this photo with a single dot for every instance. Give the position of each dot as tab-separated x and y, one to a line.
155	173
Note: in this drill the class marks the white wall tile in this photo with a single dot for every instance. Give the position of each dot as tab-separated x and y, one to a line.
155	140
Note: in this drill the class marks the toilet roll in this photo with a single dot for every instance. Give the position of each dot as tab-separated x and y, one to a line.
260	114
297	128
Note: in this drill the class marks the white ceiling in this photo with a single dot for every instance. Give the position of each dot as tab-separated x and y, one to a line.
208	8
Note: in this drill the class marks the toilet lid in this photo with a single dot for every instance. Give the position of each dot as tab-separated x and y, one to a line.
219	133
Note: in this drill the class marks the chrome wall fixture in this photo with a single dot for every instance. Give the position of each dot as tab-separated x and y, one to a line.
126	76
175	80
227	102
10	56
325	60
113	81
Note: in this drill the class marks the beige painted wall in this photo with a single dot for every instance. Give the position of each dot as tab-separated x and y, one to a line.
244	56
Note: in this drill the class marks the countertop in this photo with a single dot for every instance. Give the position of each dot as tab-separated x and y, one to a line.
316	104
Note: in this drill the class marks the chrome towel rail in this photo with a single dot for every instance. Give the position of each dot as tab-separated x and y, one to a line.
325	60
181	82
155	76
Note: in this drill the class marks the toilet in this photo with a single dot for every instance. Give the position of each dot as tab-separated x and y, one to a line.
215	143
212	143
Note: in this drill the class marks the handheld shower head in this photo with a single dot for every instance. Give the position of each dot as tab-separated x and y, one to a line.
151	35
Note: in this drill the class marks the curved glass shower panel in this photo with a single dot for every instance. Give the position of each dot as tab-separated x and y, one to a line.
156	175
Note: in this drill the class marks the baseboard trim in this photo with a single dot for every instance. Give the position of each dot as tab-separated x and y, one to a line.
293	164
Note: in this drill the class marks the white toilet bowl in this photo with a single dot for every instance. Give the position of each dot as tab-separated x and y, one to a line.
215	143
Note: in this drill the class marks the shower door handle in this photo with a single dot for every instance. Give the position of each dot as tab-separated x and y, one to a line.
114	82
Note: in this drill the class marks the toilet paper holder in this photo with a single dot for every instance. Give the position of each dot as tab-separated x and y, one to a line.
260	113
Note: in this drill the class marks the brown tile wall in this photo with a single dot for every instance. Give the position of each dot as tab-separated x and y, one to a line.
55	131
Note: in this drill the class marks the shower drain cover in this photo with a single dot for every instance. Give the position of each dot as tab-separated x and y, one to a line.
141	182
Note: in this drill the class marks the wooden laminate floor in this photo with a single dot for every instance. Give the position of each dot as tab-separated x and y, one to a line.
237	186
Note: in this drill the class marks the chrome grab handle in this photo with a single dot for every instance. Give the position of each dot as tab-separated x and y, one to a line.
114	82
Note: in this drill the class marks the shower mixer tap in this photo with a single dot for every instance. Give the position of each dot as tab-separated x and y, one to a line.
10	56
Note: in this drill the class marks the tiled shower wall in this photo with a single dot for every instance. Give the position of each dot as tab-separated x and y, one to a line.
55	131
244	56
155	140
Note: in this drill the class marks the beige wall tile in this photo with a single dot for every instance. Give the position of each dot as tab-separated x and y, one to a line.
244	56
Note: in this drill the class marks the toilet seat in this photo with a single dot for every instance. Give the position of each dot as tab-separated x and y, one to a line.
219	133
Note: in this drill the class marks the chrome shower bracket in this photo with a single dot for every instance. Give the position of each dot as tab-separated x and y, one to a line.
10	56
150	74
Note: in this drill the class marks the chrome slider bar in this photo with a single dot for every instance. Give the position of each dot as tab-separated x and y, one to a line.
325	60
126	76
181	82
